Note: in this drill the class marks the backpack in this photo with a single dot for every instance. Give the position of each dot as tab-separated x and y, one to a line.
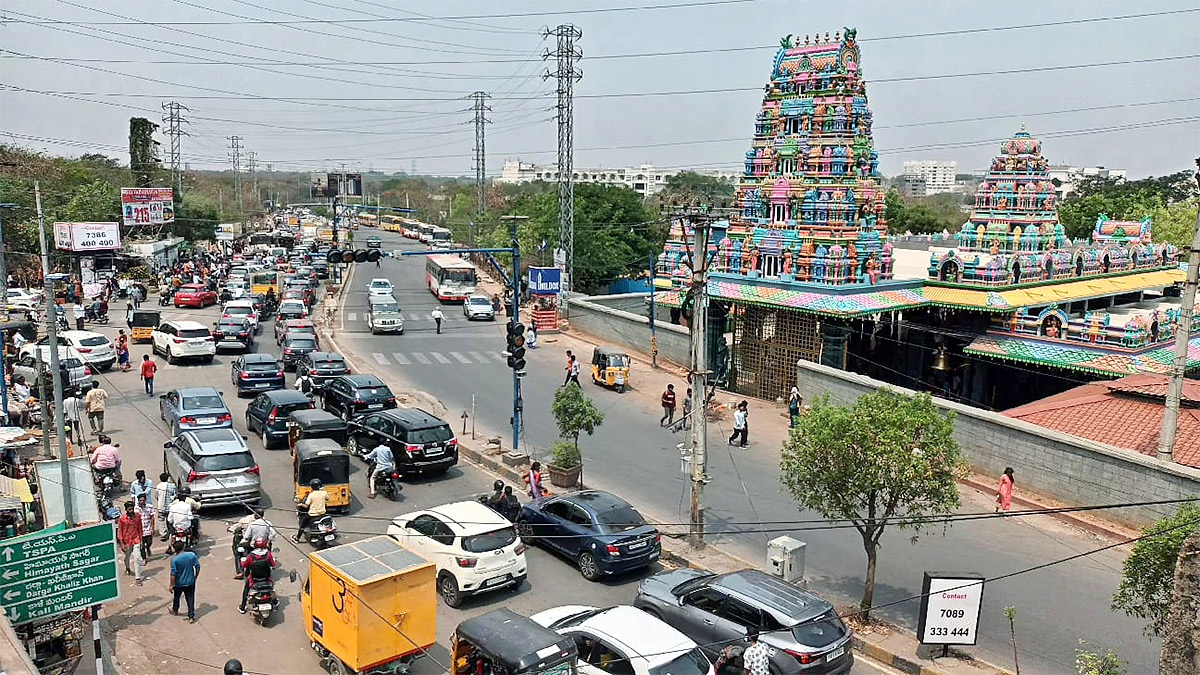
306	385
260	566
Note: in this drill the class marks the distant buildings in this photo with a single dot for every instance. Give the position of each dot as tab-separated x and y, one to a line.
1065	178
938	176
646	179
912	186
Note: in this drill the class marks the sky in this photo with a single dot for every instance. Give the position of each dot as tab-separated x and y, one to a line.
386	89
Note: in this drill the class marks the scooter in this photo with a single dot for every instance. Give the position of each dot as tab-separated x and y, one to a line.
321	532
182	536
262	601
387	483
96	315
106	481
165	298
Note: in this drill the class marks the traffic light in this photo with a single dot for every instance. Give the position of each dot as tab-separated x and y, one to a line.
360	255
516	345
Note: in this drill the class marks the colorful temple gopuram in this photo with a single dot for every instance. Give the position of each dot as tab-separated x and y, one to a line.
802	268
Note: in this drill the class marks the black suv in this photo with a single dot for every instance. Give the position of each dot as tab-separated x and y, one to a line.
296	345
351	395
231	331
267	414
420	442
322	367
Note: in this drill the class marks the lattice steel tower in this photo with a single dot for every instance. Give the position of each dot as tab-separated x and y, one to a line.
235	154
481	109
566	54
174	121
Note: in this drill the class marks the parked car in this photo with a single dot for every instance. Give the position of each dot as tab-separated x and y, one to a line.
602	533
194	295
285	326
476	550
235	332
291	309
479	307
26	365
267	414
421	442
189	408
183	339
296	345
802	629
95	349
216	464
644	644
380	287
322	367
350	395
256	372
241	308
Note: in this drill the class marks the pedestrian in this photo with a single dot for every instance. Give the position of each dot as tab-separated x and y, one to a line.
79	313
123	350
740	424
572	369
1004	493
149	367
140	485
531	340
73	409
437	318
687	410
164	494
129	315
129	535
534	480
185	568
146	513
757	658
93	401
794	401
668	406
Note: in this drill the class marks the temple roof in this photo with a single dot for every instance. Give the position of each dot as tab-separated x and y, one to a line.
1044	293
1081	357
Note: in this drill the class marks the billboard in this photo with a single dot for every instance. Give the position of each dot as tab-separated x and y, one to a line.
338	184
545	281
147	206
85	237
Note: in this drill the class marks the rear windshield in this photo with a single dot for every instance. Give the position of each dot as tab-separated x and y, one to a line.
327	364
286	409
489	541
193	332
373	392
203	401
68	363
430	435
262	366
619	518
821	631
234	325
239	310
233	460
94	341
302	344
329	471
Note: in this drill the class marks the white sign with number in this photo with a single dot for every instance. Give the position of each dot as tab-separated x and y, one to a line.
83	237
950	608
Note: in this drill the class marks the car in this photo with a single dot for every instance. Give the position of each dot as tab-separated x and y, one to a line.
602	533
644	644
189	408
234	332
420	441
177	340
267	414
350	395
237	288
291	309
256	372
802	629
295	294
26	365
302	287
95	349
284	326
21	299
244	309
296	345
195	295
383	315
216	464
374	242
479	307
322	367
380	287
476	550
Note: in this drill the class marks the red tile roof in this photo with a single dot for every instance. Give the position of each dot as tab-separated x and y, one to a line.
1125	413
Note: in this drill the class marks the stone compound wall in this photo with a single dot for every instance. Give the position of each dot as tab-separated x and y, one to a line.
609	319
1072	470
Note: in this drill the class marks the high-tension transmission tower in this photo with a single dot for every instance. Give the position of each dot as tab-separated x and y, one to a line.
253	156
174	121
565	72
235	154
481	109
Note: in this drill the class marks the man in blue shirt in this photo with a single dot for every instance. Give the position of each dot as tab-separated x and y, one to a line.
185	567
382	460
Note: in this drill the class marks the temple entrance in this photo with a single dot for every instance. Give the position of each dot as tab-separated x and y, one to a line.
767	343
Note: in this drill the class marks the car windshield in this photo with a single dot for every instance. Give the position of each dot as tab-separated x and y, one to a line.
262	366
225	462
388	307
286	409
576	619
94	341
193	332
301	343
202	401
329	364
489	541
619	518
483	302
691	662
69	363
430	435
233	324
821	631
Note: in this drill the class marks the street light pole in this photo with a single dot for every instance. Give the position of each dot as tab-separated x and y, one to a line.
699	373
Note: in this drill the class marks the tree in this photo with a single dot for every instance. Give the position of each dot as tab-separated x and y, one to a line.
1148	574
1127	200
196	217
889	459
1180	654
574	413
923	215
688	184
1088	662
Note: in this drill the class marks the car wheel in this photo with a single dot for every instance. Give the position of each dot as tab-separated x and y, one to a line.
208	359
266	439
525	531
448	589
588	567
352	448
171	358
335	666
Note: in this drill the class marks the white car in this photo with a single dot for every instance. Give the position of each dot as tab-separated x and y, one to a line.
177	340
237	289
479	307
95	349
380	287
475	549
19	298
625	634
26	365
243	309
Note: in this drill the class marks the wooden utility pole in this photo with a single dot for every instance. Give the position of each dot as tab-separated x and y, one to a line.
1181	636
698	368
1183	334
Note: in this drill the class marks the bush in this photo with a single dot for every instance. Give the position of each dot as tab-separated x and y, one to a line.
564	455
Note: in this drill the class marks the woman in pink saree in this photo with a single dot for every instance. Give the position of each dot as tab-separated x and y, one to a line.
1004	494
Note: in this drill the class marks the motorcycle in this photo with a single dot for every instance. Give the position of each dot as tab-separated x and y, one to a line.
387	483
182	536
262	601
509	510
106	481
320	532
96	315
165	298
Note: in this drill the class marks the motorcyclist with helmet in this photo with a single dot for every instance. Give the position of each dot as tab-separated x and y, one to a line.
257	566
312	507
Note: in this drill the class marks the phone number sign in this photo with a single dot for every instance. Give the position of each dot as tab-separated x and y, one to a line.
147	206
950	603
84	237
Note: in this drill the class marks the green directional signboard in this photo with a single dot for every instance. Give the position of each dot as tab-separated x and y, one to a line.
48	574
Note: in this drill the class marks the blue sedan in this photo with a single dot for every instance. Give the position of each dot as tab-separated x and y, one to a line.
597	530
190	408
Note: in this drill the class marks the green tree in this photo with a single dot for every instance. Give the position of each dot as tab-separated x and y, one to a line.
687	184
1176	222
889	459
196	217
1148	574
574	413
923	215
1125	200
1088	662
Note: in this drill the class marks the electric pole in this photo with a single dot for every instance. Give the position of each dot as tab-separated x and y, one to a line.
235	154
174	122
698	370
253	178
1183	334
480	108
565	72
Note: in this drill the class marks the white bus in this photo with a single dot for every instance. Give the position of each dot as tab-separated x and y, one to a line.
449	277
440	237
424	233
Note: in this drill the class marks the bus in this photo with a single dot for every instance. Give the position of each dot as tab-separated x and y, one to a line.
391	223
368	219
260	282
450	278
424	232
440	238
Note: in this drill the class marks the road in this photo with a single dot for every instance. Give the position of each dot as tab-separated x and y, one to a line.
148	640
1057	606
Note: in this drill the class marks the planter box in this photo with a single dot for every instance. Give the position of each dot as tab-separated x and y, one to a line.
564	478
515	459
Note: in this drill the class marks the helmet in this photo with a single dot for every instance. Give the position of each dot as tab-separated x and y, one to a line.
315	483
233	667
498	485
185	491
261	542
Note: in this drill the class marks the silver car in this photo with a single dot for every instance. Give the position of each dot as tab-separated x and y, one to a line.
26	366
216	464
479	307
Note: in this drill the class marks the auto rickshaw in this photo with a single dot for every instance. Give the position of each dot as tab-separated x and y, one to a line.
610	367
502	641
325	459
304	424
143	323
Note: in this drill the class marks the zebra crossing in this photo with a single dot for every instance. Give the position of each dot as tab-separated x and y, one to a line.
448	358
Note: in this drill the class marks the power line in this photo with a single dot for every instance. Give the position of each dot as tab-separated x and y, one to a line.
174	121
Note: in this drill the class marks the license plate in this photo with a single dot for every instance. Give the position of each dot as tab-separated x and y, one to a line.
835	653
264	607
430	452
261	385
640	544
620	380
495	581
229	338
329	537
205	420
374	406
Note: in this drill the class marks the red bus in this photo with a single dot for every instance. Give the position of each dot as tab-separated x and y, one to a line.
449	277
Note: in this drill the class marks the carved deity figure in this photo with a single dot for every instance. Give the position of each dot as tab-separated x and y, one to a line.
995	248
787	261
872	269
752	259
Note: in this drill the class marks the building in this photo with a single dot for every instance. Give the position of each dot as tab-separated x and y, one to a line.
1065	178
912	186
645	180
939	176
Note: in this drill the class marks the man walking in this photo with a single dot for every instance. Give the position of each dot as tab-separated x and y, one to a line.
149	367
146	513
79	313
687	410
757	658
164	494
73	409
668	406
740	427
437	318
185	567
93	401
129	535
572	369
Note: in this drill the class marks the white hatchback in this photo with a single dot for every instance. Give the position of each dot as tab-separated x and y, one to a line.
95	349
242	309
625	634
380	287
475	549
183	339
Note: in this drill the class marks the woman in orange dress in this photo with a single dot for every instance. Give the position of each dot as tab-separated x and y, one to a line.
1004	494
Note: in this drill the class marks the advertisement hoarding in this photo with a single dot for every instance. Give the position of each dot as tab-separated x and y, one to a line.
147	206
85	237
950	603
545	281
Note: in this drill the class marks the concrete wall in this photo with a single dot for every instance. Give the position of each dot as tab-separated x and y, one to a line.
597	315
1072	470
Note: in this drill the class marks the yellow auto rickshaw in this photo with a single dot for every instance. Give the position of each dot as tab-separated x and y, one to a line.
610	367
143	323
322	458
503	641
310	423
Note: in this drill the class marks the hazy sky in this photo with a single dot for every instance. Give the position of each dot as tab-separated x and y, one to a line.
405	106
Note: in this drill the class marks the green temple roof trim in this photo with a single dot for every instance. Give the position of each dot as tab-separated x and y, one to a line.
1104	362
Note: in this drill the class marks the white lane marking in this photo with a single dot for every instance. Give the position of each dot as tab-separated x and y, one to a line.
401	359
351	316
415	316
421	358
439	357
478	356
460	357
498	357
380	358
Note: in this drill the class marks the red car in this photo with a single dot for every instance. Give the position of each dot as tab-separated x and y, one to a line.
194	295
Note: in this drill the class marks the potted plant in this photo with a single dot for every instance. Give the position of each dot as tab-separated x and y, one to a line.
574	413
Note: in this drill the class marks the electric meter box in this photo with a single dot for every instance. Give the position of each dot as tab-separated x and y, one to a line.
785	558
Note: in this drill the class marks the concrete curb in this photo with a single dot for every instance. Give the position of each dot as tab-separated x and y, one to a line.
1104	530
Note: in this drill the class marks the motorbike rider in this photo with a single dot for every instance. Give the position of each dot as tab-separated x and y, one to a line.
257	566
381	460
270	299
496	499
248	529
106	456
182	513
312	507
510	507
304	383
